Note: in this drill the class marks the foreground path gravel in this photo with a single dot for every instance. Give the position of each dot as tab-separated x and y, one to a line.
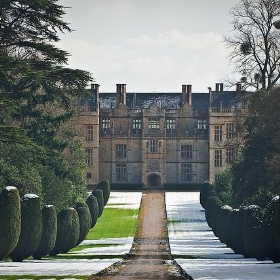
150	256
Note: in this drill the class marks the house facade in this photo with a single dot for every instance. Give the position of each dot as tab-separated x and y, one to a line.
158	138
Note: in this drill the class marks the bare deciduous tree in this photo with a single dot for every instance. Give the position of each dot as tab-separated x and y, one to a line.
255	42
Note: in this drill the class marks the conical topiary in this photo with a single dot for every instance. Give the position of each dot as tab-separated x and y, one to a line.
10	220
211	211
92	204
31	228
230	228
47	242
84	221
238	243
207	191
251	224
68	230
105	187
221	222
266	236
99	195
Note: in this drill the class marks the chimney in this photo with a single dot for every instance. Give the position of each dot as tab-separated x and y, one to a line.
189	94
121	94
219	87
238	87
184	94
94	88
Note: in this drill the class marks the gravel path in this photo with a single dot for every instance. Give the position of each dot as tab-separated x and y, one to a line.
150	256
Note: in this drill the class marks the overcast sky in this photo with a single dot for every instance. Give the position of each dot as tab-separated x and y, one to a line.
150	45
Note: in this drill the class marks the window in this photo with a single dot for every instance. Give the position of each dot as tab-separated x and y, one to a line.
153	146
229	130
106	123
121	173
218	158
218	133
186	151
217	176
229	154
153	123
201	124
89	157
120	151
170	124
136	124
186	172
88	175
89	133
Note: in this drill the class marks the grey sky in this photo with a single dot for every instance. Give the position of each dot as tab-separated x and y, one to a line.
151	45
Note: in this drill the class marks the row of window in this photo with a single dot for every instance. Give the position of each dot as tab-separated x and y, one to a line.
186	153
186	172
229	156
218	132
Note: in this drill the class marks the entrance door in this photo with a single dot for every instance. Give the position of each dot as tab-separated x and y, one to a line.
154	180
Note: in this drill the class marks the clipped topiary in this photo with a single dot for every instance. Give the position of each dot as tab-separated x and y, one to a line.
92	204
47	242
31	228
251	224
266	236
10	220
221	222
238	243
99	195
207	191
230	228
105	187
212	209
277	223
68	230
84	221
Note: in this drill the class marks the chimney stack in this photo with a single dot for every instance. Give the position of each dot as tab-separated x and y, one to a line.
121	94
189	94
238	87
219	87
94	88
184	94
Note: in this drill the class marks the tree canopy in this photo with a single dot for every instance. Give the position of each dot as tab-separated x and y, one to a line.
37	89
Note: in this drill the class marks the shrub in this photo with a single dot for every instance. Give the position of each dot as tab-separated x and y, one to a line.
277	223
49	219
266	236
68	230
221	222
105	187
238	243
230	228
212	210
84	221
10	219
31	228
251	224
99	195
92	204
206	191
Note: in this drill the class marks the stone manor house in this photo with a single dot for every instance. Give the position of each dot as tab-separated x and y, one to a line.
158	138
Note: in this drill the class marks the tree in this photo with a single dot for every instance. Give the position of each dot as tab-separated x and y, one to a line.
37	92
255	42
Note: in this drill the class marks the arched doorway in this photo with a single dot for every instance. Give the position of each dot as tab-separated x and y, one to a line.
154	181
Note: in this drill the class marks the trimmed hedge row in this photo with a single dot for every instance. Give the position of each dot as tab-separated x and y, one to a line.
250	231
29	230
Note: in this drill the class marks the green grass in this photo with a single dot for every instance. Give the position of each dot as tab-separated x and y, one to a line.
114	223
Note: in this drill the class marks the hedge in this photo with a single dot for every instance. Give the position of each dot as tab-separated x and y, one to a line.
213	205
68	230
230	228
47	242
221	222
31	228
105	187
206	191
84	221
99	195
10	220
92	204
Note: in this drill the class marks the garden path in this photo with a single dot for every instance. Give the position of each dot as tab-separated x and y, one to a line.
150	256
